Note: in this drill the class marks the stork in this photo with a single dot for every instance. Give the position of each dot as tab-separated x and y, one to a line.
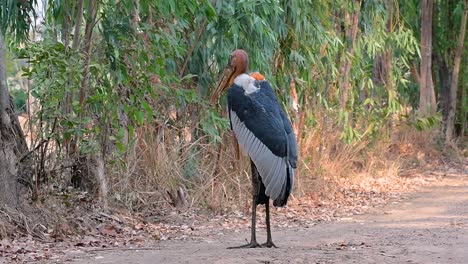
264	133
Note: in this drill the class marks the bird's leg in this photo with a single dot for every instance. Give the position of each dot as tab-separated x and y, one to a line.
269	242
253	238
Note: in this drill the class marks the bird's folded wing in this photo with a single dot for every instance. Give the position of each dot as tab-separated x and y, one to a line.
271	167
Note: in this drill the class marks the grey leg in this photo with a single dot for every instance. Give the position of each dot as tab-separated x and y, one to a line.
253	238
269	242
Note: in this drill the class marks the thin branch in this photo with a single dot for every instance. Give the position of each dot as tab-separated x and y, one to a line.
189	54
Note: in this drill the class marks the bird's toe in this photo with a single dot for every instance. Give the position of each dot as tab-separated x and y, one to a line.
249	245
269	244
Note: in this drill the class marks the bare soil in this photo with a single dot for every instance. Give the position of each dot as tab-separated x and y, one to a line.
430	226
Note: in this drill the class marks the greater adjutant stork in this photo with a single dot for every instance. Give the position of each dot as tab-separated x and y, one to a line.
264	133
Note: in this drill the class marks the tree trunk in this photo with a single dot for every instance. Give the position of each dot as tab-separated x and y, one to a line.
351	33
383	62
387	57
12	141
76	43
98	167
70	146
427	101
464	116
449	133
444	80
92	11
99	172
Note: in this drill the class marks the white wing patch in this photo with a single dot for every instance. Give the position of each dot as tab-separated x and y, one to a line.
272	168
247	82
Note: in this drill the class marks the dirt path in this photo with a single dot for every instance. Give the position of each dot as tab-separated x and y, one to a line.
428	227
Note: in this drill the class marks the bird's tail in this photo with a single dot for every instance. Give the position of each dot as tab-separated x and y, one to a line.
282	200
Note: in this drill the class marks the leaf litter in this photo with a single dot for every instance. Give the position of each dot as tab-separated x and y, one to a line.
87	228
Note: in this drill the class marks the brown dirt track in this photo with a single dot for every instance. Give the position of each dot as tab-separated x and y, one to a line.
430	226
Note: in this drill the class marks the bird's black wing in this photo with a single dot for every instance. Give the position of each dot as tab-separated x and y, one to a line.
292	142
257	122
292	153
291	138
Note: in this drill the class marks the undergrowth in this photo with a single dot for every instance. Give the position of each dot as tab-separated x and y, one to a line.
166	168
167	164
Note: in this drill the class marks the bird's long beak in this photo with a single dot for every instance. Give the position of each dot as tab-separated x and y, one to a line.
223	84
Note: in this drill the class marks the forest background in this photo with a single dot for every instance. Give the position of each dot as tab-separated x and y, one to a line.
112	95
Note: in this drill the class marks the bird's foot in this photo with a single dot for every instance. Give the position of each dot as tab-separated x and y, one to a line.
252	244
269	244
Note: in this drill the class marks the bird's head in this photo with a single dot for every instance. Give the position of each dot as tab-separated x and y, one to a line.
238	64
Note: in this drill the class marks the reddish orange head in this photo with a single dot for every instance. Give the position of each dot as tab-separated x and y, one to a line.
238	64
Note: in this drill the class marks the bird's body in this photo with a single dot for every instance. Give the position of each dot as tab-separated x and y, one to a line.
264	133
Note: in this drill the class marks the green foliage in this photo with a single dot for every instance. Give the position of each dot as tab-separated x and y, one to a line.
426	123
15	17
141	55
211	122
54	70
20	98
250	25
160	57
11	66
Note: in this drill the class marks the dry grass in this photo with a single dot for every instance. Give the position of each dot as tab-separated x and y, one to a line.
165	162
